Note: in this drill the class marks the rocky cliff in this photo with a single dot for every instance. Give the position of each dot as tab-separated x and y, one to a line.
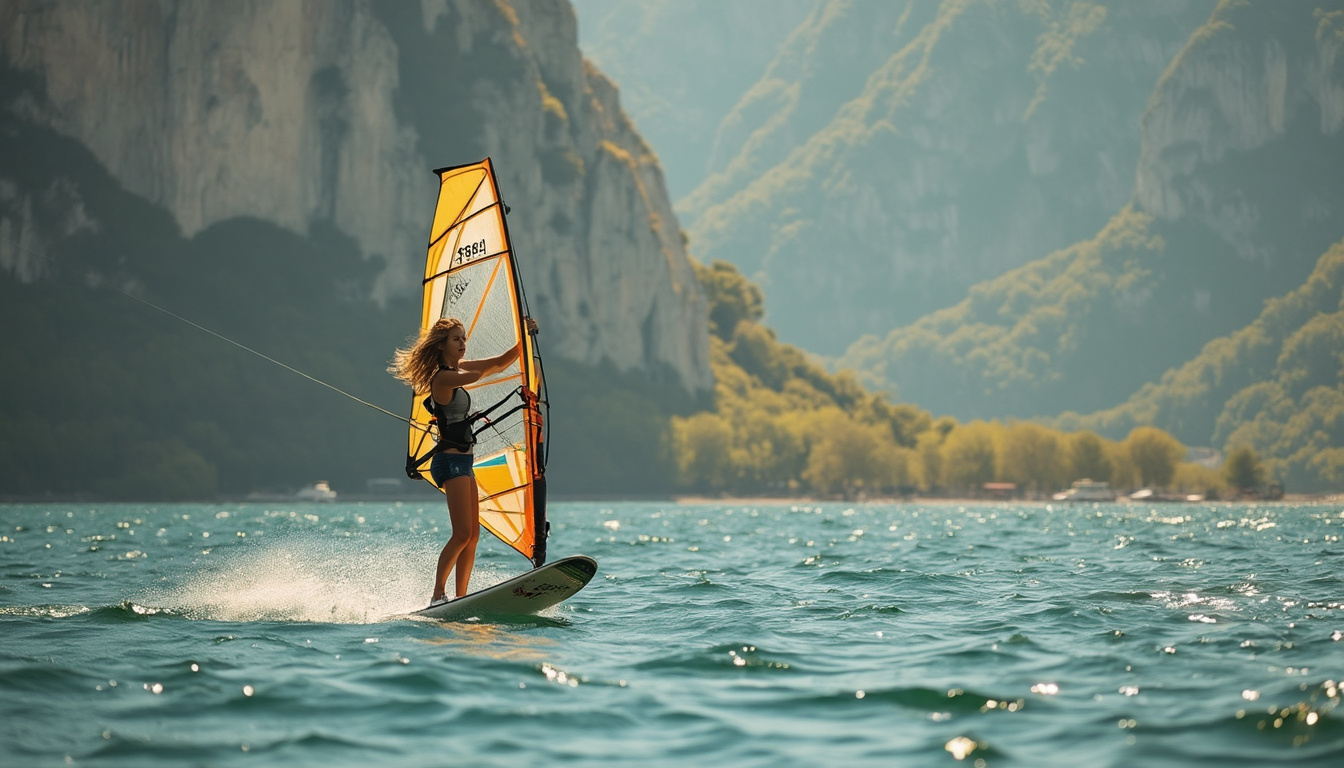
683	65
1253	79
332	112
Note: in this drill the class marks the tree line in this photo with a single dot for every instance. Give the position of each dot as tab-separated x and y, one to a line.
781	424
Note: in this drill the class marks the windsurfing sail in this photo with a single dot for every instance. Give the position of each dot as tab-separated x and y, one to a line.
471	275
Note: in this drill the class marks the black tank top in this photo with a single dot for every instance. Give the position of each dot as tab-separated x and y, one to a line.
453	419
456	409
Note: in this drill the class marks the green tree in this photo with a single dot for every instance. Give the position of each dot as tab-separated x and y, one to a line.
702	444
756	349
1124	474
847	456
1243	469
766	452
1032	457
1155	455
1088	457
907	421
1196	478
903	466
968	456
732	297
929	447
1327	466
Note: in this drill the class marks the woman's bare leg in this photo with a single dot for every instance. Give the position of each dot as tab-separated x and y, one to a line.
465	519
467	559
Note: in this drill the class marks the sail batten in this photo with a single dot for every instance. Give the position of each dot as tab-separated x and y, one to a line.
471	274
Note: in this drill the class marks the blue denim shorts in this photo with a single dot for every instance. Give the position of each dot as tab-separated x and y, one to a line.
445	466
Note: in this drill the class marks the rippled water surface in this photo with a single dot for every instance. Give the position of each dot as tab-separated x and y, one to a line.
714	634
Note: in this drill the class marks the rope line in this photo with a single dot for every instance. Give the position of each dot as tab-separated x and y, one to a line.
244	347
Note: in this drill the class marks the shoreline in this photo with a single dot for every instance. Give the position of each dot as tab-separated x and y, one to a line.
1288	498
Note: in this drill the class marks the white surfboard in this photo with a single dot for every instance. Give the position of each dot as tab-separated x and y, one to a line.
524	595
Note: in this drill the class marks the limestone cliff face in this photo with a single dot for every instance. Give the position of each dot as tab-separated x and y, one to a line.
1255	79
217	110
335	111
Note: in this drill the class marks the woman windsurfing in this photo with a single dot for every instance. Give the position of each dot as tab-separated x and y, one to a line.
435	364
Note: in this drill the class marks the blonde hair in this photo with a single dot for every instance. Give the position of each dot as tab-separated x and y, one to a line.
417	364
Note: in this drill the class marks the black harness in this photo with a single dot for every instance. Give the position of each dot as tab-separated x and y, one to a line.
459	435
453	434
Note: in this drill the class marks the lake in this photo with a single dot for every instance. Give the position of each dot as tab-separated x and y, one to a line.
715	634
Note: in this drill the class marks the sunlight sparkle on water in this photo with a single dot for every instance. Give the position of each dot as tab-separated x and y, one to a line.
961	747
1256	618
559	676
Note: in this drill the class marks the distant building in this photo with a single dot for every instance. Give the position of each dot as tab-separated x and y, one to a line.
1209	458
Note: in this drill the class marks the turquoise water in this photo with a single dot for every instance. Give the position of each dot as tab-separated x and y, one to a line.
714	634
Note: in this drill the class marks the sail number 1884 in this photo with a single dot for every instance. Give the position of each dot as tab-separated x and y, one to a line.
471	251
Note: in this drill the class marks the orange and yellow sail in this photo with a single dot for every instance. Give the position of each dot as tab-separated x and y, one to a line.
471	274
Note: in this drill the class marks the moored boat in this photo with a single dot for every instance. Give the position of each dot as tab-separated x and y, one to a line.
319	491
1087	490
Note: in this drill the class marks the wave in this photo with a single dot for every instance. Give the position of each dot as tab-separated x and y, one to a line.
302	580
46	679
1304	732
204	749
743	656
44	611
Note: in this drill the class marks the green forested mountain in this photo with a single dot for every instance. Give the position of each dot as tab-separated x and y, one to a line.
781	424
1008	347
897	153
1052	203
1237	197
1276	386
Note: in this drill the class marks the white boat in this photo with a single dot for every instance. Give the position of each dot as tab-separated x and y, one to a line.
319	491
1087	490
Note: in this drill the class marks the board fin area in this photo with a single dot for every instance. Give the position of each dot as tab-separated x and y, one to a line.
525	595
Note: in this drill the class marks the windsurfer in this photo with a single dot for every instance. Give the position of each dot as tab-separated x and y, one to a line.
436	364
